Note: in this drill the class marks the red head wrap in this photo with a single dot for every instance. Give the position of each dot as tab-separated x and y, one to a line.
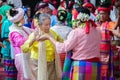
46	0
89	5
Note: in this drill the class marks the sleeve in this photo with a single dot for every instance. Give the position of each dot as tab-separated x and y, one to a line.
25	47
68	44
17	39
56	36
5	29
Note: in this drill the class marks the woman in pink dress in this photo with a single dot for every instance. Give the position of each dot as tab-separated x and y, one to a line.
18	35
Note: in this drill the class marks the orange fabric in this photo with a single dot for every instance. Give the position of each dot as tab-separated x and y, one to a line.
111	25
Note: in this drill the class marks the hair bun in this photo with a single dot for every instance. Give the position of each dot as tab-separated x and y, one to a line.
13	12
62	15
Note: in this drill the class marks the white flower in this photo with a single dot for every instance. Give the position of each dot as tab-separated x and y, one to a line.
83	16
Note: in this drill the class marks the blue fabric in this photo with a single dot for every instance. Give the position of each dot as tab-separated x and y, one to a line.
5	33
53	20
28	24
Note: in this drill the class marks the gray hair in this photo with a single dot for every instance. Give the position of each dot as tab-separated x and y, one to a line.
43	17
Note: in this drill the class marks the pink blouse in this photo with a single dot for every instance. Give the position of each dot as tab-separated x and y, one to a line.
17	40
84	46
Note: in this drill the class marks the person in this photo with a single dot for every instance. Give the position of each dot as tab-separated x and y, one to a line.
116	42
32	47
84	41
3	9
40	7
116	32
9	67
116	29
27	16
107	47
69	14
61	29
1	44
18	34
52	16
45	63
90	7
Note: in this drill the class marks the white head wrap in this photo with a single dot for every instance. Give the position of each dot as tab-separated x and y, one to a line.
18	16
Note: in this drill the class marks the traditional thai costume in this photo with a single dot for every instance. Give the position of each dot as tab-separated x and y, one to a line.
37	55
18	35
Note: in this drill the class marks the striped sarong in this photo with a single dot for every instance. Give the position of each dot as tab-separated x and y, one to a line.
116	58
84	70
67	66
10	69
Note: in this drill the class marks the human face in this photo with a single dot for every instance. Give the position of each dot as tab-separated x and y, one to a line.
43	10
45	26
46	9
117	3
104	16
29	12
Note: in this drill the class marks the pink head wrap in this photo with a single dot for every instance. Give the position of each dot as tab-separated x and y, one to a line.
18	16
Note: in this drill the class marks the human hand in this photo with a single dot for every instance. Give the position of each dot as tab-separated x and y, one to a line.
116	32
2	45
43	37
35	34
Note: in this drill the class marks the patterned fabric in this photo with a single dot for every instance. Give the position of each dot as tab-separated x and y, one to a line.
67	66
116	57
10	70
83	70
106	54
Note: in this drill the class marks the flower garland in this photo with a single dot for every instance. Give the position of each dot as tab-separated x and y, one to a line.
83	17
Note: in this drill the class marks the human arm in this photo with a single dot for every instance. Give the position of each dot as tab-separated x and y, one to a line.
2	45
116	32
116	28
28	43
17	39
117	24
66	46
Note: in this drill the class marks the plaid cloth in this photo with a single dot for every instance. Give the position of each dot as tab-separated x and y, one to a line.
80	70
84	70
